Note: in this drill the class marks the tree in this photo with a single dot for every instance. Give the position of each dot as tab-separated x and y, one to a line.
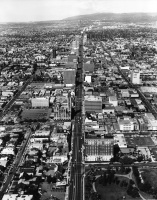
104	179
49	179
121	184
145	186
54	180
39	154
116	150
127	170
126	160
122	169
140	158
6	138
26	176
134	192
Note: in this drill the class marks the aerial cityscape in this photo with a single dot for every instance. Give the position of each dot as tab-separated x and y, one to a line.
78	101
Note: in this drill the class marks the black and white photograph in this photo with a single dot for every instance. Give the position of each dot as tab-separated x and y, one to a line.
78	99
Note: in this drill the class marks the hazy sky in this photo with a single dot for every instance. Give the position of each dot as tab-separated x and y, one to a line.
38	10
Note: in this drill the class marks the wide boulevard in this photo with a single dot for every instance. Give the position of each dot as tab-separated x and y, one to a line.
76	180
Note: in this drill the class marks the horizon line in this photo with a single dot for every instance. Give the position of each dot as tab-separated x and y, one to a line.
48	20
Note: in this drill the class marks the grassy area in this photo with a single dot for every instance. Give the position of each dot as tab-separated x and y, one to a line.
59	195
140	141
47	195
147	196
113	191
149	175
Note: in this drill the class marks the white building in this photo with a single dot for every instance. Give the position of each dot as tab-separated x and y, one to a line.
84	38
7	93
8	150
88	79
36	145
126	124
40	102
125	93
42	133
59	159
3	161
152	122
120	140
113	100
125	67
17	197
135	77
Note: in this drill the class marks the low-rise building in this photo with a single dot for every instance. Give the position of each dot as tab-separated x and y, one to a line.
126	124
113	100
17	197
93	104
40	102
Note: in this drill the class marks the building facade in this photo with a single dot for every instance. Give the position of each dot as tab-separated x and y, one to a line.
99	149
135	77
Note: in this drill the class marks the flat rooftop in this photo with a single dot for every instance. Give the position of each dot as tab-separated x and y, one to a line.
35	114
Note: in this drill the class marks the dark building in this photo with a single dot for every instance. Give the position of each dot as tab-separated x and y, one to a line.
69	76
54	53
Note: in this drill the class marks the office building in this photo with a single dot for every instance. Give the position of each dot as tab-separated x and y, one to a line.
135	77
126	124
75	45
54	53
84	38
99	149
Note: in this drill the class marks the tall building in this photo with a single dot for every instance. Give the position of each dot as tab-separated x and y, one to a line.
75	44
142	124
135	77
93	104
69	76
99	149
84	38
54	53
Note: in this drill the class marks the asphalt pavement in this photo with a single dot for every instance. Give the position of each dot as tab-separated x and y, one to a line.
76	180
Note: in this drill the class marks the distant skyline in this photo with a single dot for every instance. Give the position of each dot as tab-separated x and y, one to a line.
42	10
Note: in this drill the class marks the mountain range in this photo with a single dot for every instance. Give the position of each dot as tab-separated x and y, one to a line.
117	17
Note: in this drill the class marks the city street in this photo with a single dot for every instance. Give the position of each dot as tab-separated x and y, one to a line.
15	167
21	151
145	101
76	181
11	102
